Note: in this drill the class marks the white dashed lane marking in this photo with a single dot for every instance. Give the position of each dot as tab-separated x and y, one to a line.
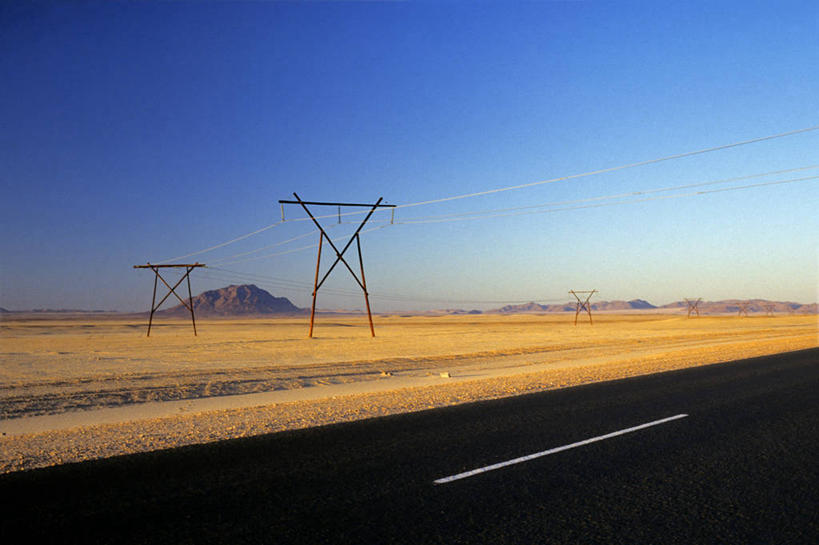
529	457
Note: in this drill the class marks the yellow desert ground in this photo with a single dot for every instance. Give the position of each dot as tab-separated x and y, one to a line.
81	388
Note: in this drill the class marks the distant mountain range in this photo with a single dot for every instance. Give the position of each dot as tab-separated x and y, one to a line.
250	300
54	311
244	300
728	306
638	304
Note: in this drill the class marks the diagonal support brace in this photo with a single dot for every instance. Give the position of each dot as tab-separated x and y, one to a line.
361	281
582	304
171	290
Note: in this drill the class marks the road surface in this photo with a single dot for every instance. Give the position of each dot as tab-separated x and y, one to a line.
723	453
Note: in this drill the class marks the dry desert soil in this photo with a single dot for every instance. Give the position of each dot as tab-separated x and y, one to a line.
80	388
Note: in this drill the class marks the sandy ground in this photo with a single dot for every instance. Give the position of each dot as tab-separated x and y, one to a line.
84	388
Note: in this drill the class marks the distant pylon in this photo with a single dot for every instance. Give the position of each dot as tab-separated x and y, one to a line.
743	308
769	309
582	304
186	276
693	306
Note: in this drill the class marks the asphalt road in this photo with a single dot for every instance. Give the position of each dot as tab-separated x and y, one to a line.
742	467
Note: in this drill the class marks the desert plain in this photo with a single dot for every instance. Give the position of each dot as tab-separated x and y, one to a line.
83	387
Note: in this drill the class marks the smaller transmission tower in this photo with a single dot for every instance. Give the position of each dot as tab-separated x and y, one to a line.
582	304
743	308
189	305
693	306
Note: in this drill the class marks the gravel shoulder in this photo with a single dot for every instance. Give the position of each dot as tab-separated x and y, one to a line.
29	451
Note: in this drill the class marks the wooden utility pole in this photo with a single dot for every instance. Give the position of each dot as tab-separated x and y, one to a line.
362	283
582	304
693	306
187	276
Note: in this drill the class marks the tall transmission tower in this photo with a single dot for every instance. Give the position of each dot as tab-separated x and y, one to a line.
362	282
743	308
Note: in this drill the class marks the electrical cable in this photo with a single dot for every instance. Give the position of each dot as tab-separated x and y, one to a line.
612	169
513	187
243	278
493	214
290	284
293	250
227	260
586	174
223	244
619	195
549	208
282	243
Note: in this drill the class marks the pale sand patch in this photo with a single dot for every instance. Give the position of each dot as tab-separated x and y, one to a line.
516	359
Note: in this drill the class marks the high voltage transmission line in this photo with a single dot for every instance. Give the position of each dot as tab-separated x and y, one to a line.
615	169
629	194
219	273
227	275
503	213
274	245
293	250
223	244
520	186
593	202
289	284
278	284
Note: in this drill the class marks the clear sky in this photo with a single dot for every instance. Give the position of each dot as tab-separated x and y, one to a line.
145	131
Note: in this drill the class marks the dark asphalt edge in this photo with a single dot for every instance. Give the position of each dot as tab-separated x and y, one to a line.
726	366
188	466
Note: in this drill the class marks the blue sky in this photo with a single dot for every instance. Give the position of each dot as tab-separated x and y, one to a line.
145	131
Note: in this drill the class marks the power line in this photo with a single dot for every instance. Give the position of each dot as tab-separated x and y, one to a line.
223	244
292	284
513	187
551	207
296	249
279	285
589	173
547	208
499	213
618	195
612	169
282	243
254	277
285	283
231	260
468	301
